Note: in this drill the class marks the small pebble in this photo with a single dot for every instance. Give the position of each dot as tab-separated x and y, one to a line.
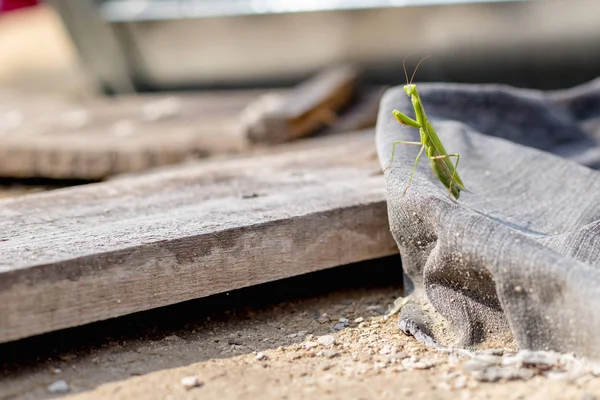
326	340
493	352
339	326
59	387
450	375
380	365
359	320
328	353
494	374
190	382
557	376
323	319
488	358
396	307
344	320
481	362
376	308
539	359
460	382
260	356
423	365
309	345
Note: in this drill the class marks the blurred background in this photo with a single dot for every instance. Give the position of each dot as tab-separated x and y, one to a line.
94	88
124	46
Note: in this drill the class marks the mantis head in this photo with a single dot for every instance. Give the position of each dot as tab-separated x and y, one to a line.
410	89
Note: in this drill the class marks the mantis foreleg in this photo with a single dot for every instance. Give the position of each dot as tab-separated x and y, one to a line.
405	119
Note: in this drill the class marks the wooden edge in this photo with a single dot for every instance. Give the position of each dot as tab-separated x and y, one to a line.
303	110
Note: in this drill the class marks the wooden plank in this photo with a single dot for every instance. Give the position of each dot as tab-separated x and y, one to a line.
83	254
311	105
50	136
58	137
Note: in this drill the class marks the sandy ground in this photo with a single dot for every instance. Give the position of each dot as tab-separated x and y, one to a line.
282	340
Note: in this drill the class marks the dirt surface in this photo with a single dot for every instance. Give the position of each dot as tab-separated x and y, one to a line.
321	335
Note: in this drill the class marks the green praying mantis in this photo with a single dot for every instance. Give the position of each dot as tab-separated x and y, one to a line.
430	142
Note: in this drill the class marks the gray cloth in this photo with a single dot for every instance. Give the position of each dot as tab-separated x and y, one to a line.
517	261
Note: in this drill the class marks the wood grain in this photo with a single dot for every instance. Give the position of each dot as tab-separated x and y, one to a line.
77	255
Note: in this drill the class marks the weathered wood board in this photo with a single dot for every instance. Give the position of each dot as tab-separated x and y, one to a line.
54	136
50	136
77	255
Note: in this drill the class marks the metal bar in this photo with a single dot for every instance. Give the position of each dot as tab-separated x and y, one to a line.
144	10
97	43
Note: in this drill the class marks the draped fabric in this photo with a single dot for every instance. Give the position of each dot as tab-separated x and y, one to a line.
517	260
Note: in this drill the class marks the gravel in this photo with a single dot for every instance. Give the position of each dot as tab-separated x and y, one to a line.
326	340
59	387
190	382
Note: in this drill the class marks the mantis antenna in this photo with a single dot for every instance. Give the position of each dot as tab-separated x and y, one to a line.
416	68
404	66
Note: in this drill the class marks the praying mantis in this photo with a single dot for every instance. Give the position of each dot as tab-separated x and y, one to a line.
430	142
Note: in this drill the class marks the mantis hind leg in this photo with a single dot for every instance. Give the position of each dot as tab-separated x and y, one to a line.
453	178
394	150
